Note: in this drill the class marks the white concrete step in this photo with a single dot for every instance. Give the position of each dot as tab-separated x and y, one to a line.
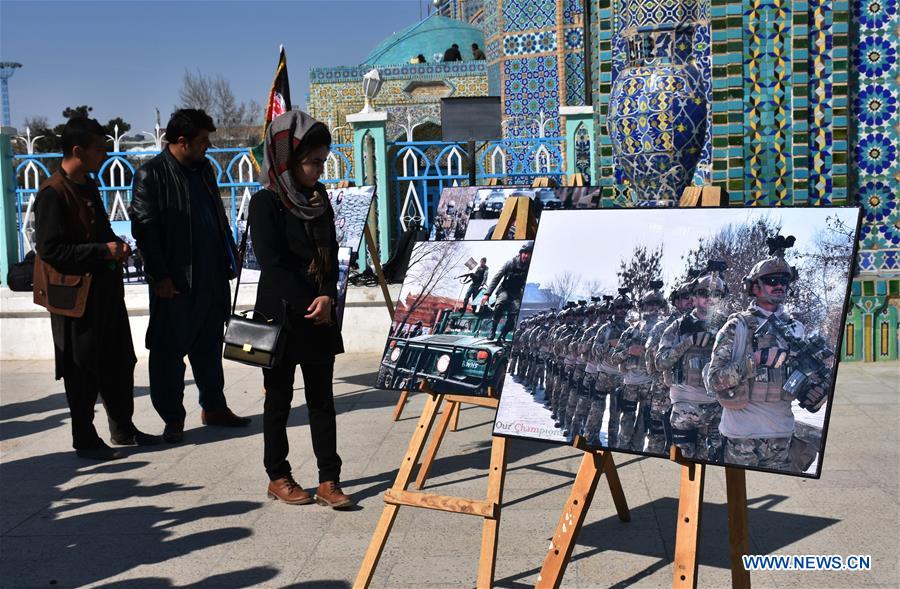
25	327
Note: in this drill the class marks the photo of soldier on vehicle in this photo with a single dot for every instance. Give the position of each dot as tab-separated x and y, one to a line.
455	317
715	331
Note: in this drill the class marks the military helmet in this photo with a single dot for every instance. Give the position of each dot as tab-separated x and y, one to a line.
711	278
711	282
528	247
623	301
774	264
653	296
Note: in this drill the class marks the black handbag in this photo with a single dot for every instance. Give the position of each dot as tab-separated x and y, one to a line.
251	341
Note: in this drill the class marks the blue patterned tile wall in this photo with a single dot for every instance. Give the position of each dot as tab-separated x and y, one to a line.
874	158
523	15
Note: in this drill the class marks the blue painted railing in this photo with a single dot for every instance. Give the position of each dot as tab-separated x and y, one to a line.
421	170
235	174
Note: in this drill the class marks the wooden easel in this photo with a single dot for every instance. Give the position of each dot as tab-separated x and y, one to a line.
690	497
515	208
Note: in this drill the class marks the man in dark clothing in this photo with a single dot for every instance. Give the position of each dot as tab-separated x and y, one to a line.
76	245
477	53
416	330
478	278
452	54
179	224
509	294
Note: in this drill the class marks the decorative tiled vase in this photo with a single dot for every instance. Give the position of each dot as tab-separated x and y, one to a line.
657	112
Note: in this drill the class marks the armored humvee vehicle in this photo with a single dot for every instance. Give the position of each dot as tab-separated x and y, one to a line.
457	358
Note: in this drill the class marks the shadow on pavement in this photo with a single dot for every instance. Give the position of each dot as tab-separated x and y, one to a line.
54	545
770	530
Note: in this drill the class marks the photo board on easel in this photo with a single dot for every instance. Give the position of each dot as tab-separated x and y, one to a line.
584	254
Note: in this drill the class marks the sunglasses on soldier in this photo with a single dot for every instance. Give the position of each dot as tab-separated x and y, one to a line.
776	280
702	292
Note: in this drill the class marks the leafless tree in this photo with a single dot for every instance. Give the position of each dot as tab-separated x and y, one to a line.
644	266
741	246
596	287
823	268
563	287
431	265
235	121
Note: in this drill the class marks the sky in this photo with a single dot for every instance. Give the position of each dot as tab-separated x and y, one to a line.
126	58
566	239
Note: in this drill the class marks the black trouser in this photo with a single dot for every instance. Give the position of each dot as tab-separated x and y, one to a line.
115	385
471	294
317	386
185	334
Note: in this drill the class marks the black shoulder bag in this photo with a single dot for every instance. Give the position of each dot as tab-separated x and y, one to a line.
251	341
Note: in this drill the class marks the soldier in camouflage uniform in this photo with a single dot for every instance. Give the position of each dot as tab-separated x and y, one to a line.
554	366
587	329
515	351
751	367
658	436
541	340
584	314
509	284
629	354
565	363
577	413
684	350
609	376
522	341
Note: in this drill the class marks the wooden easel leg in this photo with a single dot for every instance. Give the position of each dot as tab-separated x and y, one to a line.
491	527
454	421
615	487
404	475
373	251
687	530
736	489
574	512
436	440
401	402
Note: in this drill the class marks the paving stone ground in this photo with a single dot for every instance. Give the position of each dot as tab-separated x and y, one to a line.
196	514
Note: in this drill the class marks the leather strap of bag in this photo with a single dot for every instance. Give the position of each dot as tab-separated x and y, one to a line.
242	250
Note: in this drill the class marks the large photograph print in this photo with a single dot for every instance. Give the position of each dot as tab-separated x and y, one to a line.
713	330
455	317
471	212
351	210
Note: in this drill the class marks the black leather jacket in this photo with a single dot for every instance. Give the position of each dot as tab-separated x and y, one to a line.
161	219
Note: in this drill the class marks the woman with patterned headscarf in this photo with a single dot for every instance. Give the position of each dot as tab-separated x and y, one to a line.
293	236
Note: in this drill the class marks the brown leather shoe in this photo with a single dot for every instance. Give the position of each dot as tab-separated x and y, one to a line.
286	489
223	417
329	494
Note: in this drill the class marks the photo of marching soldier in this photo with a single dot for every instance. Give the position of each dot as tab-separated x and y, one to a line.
715	331
454	321
472	212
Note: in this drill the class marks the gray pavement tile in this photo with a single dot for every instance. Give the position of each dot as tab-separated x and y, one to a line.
196	515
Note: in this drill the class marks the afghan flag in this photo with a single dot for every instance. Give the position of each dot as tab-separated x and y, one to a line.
277	103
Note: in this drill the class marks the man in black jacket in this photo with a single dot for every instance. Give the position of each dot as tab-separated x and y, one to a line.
94	353
509	283
452	53
179	223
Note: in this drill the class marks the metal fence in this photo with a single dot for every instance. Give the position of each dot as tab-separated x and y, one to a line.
418	172
422	169
236	174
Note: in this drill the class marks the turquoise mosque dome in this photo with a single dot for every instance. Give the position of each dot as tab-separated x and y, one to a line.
429	36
